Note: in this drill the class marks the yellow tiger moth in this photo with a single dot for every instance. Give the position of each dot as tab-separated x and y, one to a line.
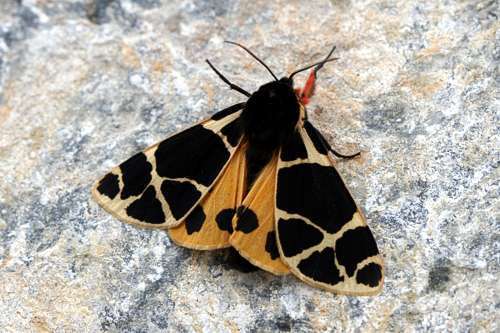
257	177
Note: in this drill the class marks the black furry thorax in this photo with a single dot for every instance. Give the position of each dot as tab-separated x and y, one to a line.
269	118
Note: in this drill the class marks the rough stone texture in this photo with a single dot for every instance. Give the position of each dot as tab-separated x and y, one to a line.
86	83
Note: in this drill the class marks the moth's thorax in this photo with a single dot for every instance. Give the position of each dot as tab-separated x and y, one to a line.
271	113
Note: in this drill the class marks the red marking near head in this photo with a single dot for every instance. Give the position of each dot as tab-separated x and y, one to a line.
307	92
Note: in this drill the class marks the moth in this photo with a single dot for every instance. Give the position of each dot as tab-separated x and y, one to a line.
258	177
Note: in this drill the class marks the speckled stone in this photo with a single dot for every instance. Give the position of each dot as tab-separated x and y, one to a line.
86	83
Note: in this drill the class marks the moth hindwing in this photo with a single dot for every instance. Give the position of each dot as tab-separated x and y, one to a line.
254	236
160	186
209	225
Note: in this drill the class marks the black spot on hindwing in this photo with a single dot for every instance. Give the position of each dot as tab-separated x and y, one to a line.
271	246
320	266
232	132
194	221
296	235
317	193
247	220
196	153
370	275
136	175
353	247
319	142
109	186
224	220
228	111
294	148
147	208
180	196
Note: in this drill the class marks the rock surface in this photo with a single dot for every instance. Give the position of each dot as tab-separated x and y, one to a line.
86	83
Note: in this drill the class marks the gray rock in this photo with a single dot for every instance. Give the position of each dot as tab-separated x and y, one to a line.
86	83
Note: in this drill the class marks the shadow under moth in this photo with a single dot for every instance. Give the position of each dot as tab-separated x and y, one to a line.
257	177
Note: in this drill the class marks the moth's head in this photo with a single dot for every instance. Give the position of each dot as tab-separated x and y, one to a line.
276	90
275	95
271	113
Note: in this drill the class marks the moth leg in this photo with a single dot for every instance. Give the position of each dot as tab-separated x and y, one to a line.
337	154
327	145
231	85
344	156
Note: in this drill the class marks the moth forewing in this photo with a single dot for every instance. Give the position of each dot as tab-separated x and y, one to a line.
159	187
322	235
359	220
108	194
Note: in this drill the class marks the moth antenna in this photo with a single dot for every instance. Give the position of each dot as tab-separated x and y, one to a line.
254	56
310	66
223	78
308	90
317	68
318	65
